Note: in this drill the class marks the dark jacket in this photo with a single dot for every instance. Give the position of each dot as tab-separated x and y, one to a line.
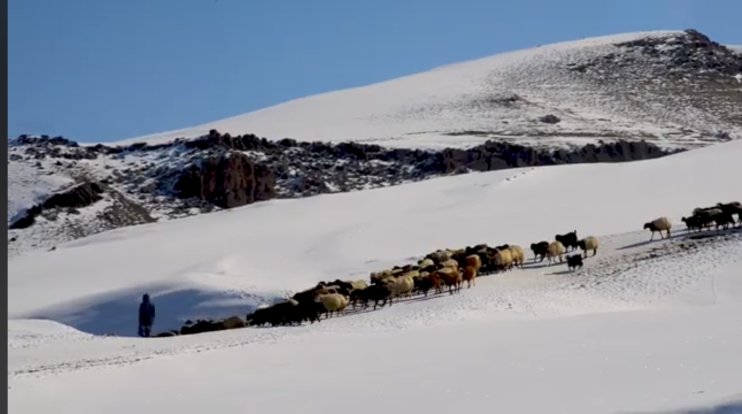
146	312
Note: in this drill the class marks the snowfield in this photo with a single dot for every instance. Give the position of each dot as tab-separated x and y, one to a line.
503	97
642	327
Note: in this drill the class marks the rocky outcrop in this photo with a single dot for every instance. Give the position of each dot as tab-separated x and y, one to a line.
81	195
499	155
691	51
228	180
550	119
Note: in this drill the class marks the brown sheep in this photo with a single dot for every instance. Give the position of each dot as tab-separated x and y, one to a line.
470	276
474	261
450	277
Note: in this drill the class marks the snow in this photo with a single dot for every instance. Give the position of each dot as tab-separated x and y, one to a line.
424	110
643	326
29	187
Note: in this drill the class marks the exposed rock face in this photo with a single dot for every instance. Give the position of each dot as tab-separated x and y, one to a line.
550	119
499	155
230	180
694	51
81	195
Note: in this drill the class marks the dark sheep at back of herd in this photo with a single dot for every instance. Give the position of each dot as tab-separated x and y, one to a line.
290	312
568	240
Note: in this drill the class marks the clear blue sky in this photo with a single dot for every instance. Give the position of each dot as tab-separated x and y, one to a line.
100	70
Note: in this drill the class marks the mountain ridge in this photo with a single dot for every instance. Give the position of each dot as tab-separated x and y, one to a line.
653	92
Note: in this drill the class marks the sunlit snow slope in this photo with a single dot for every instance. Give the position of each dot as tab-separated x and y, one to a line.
657	86
643	327
231	259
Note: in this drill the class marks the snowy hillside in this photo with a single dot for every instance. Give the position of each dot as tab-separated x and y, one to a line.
673	88
643	326
61	191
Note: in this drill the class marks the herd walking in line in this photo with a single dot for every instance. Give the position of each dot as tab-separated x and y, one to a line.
448	270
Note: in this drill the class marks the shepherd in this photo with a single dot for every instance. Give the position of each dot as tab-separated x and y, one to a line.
146	316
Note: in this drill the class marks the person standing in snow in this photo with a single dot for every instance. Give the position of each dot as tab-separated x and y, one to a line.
146	316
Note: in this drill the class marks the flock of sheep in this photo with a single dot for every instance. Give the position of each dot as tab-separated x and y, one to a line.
437	271
451	269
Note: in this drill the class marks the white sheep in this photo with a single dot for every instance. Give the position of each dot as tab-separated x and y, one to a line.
403	286
359	284
589	243
504	259
556	249
519	256
662	223
450	263
333	302
425	263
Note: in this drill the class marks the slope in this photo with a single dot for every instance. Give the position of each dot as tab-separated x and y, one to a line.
643	326
674	88
241	255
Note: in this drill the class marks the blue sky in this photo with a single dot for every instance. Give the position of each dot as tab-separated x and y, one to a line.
105	70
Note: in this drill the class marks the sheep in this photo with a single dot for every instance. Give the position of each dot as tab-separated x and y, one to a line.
451	277
518	255
403	286
474	261
450	263
326	290
568	240
692	223
412	273
426	263
556	249
333	302
376	293
589	243
358	284
724	219
574	261
735	207
378	277
438	256
540	249
503	259
233	322
470	276
662	223
706	215
425	283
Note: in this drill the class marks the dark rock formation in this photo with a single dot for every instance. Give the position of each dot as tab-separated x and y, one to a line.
81	195
226	181
549	119
691	51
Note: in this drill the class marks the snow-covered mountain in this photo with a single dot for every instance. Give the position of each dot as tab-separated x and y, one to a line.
642	326
670	87
584	101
